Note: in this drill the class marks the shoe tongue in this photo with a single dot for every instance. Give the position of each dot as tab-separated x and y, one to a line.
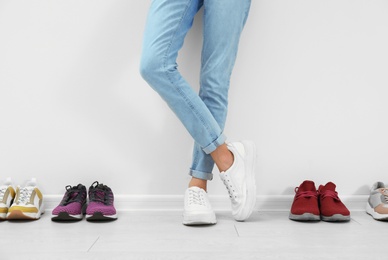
328	186
100	186
31	183
8	182
99	195
28	187
74	195
307	186
195	188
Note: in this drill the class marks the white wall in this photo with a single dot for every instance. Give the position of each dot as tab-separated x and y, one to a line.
310	87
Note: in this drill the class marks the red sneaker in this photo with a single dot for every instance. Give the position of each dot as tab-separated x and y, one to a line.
305	205
332	209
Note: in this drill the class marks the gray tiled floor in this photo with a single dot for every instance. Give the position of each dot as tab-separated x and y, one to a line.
160	235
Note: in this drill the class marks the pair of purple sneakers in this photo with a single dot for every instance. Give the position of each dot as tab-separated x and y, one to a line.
73	205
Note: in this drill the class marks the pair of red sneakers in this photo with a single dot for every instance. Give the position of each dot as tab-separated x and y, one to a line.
311	204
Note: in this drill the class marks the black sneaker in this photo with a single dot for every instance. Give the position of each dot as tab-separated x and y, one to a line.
72	206
100	206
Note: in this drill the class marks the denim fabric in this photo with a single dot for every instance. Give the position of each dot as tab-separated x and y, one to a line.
202	114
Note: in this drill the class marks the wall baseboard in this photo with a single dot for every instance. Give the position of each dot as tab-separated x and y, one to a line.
219	203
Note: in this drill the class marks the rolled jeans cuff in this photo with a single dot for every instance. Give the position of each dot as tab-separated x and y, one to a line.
212	146
201	175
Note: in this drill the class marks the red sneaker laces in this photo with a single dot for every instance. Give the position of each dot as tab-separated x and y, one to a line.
305	194
329	193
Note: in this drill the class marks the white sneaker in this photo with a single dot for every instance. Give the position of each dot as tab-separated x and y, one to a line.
239	179
7	194
198	210
28	203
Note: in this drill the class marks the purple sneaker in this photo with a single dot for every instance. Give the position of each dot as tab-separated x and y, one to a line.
100	203
72	206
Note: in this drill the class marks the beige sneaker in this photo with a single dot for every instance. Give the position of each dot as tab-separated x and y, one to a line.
7	194
377	205
28	203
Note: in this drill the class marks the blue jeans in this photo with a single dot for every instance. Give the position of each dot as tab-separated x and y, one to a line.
202	114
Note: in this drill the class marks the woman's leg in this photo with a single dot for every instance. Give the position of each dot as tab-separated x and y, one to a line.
223	23
167	25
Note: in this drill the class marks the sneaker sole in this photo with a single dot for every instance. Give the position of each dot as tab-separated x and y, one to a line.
304	217
64	216
374	214
199	219
250	153
98	216
336	218
3	216
20	215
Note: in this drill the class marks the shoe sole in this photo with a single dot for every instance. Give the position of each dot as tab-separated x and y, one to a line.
99	217
376	215
304	217
336	218
3	216
249	167
66	217
199	219
20	215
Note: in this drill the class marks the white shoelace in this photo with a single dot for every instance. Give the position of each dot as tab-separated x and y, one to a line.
229	187
24	195
196	197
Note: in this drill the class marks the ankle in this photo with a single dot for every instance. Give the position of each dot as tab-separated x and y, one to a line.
223	158
194	182
225	162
